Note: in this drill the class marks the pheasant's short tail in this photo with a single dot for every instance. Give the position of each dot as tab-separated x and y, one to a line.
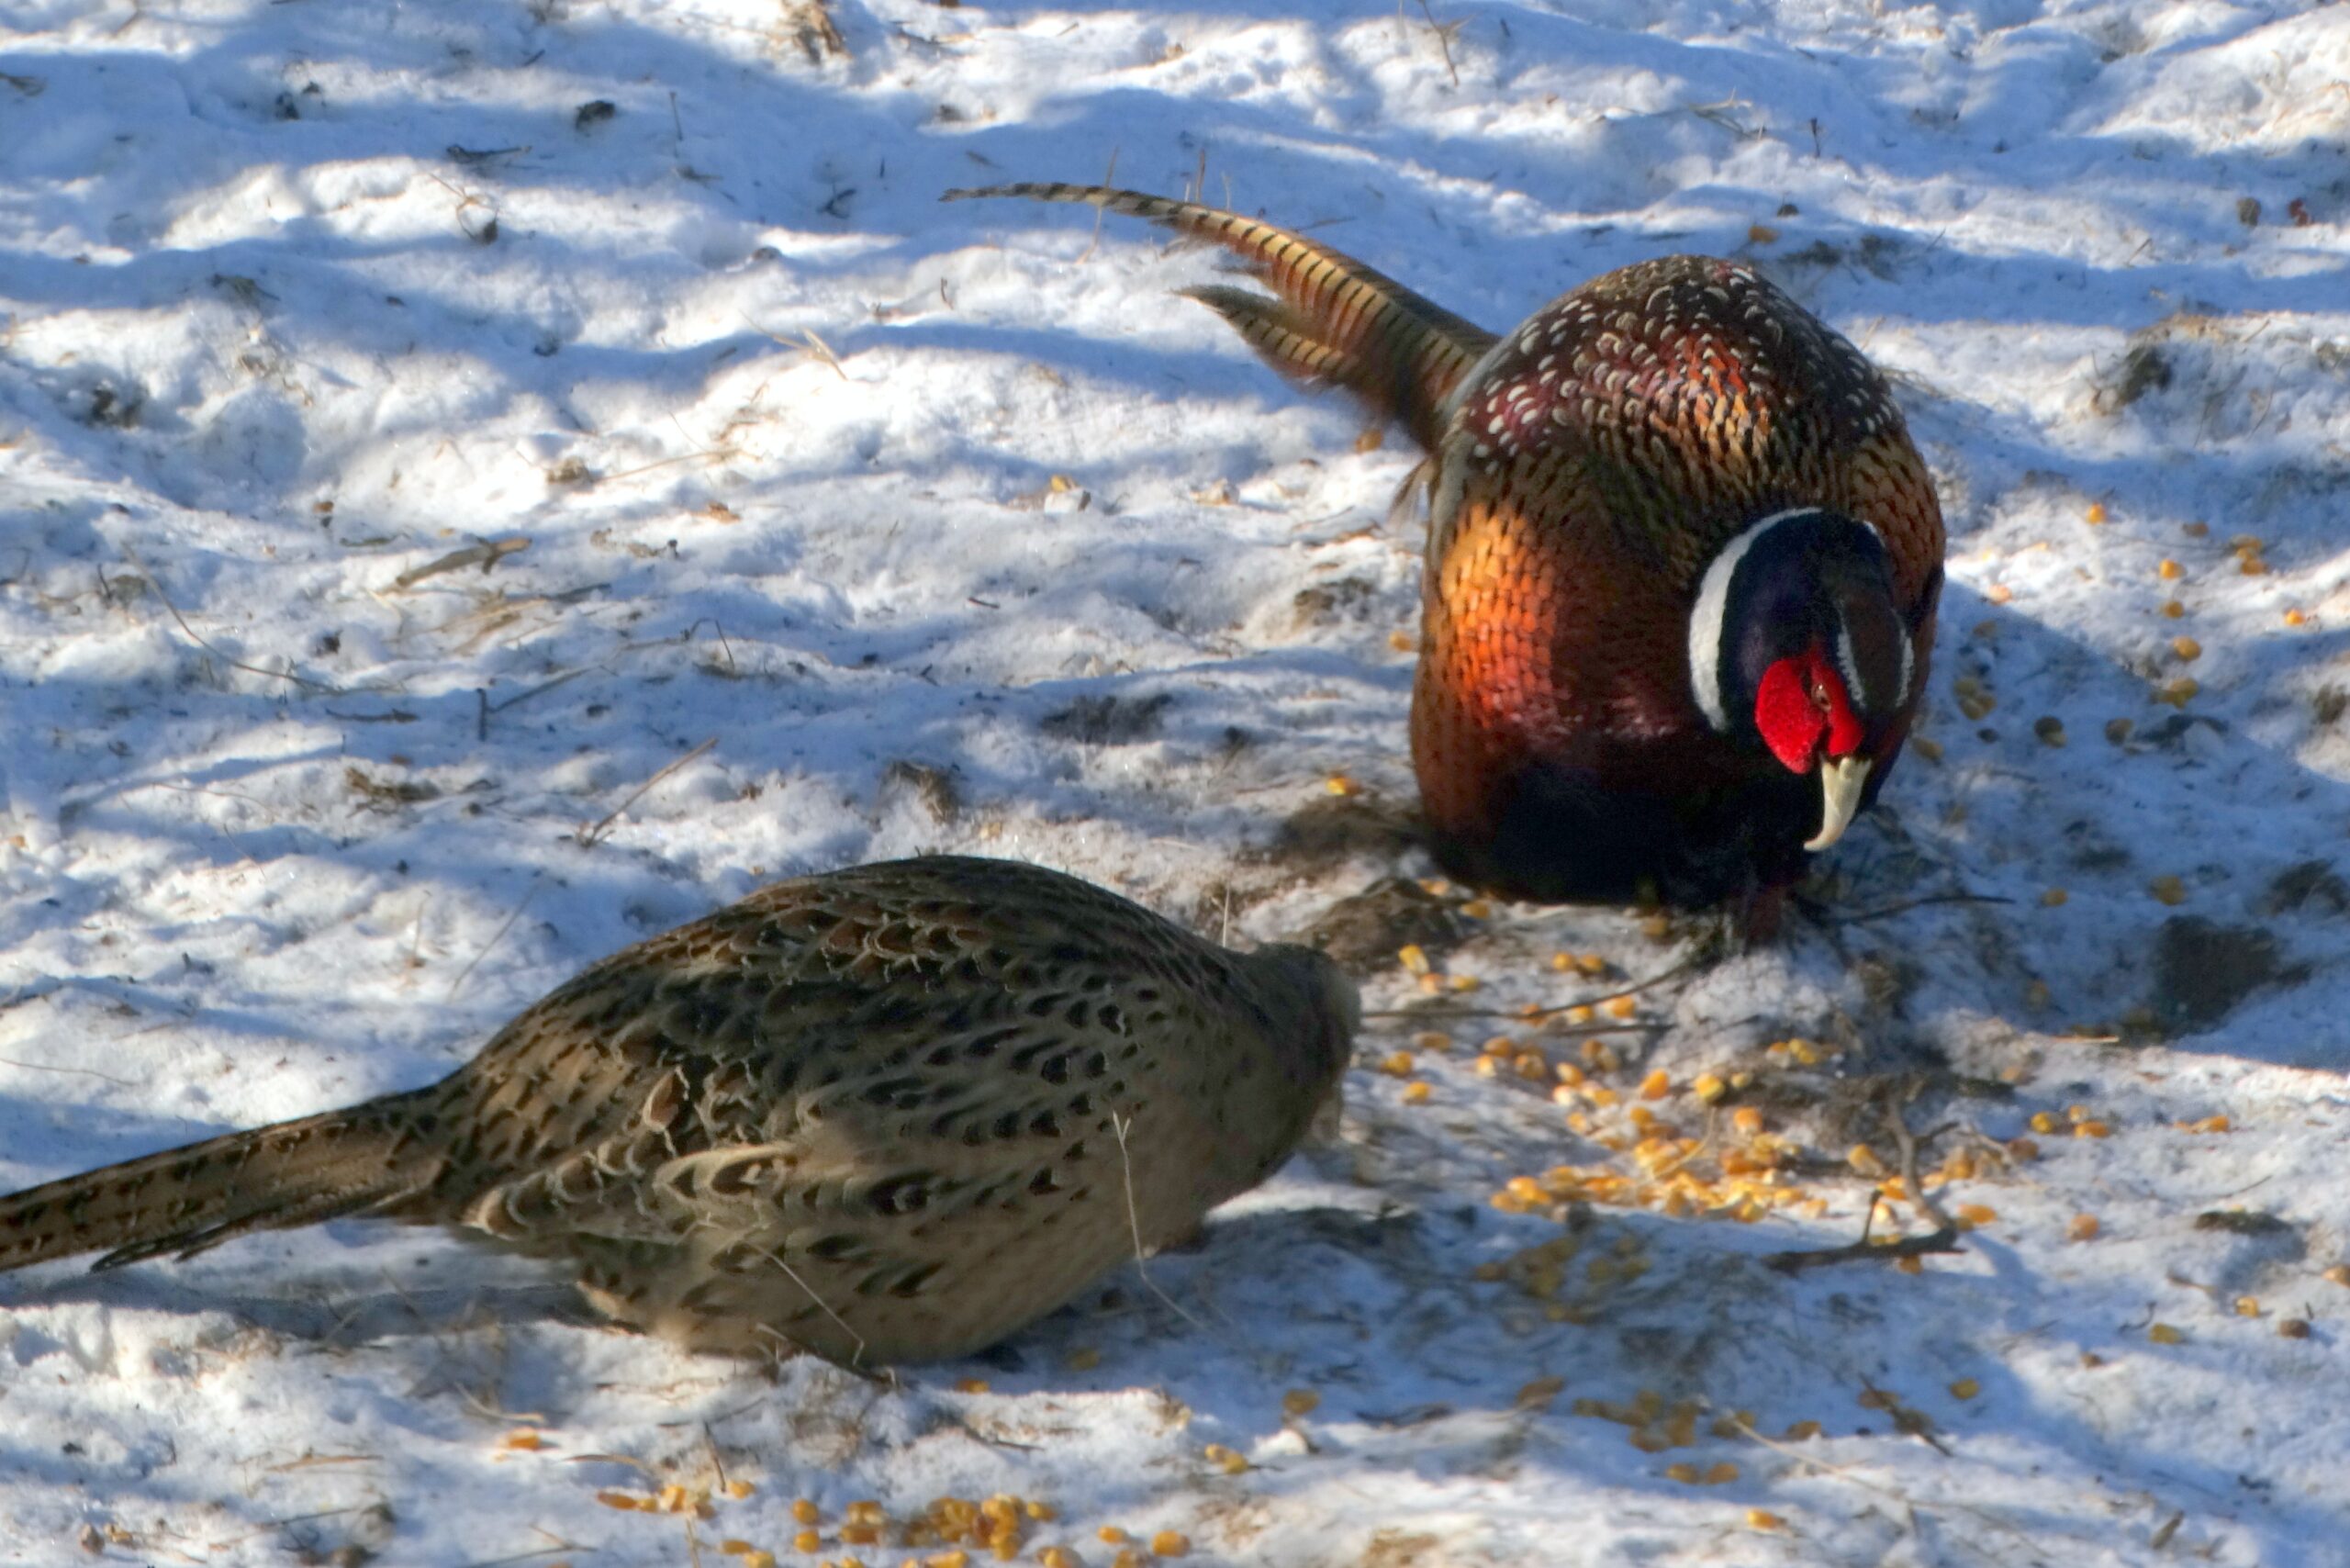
1330	320
186	1200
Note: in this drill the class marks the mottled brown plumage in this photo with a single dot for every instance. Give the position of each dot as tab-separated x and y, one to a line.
1590	720
893	1112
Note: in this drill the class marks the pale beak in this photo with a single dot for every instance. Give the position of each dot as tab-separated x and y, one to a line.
1840	781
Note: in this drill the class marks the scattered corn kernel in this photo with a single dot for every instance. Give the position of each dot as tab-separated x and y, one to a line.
1684	1472
738	1490
1340	785
1965	1388
1417	1095
623	1501
1414	957
2083	1228
2295	618
1224	1458
1539	1393
2339	1274
2247	1307
2092	1128
2043	1122
1398	1064
2177	693
1111	1535
807	1540
1464	983
2169	570
2187	648
971	1385
805	1512
1763	1519
2167	890
1059	1557
1170	1543
767	1559
1863	1160
1656	1085
1622	1007
1803	1431
1720	1473
1972	1214
1747	1119
2164	1334
2094	515
1300	1402
2173	609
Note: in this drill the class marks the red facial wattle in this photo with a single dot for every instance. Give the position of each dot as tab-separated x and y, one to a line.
1801	701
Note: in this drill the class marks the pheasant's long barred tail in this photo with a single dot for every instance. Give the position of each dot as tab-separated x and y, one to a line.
186	1199
1332	319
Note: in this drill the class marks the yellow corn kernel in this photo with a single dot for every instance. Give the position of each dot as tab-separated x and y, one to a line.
1170	1543
2252	565
807	1540
2339	1274
1111	1535
1803	1431
1622	1007
1464	983
1477	909
1656	1085
1417	1093
1708	1087
2178	694
1224	1458
971	1385
2084	1227
1747	1119
1340	785
1414	957
2169	570
2094	514
1129	1557
2042	1122
2247	1307
623	1501
2173	609
1684	1472
1720	1473
1910	1265
1863	1160
1539	1393
1059	1557
1965	1388
2295	618
804	1511
1300	1402
1972	1214
2187	648
2092	1129
1398	1064
1763	1519
767	1559
2164	1334
860	1535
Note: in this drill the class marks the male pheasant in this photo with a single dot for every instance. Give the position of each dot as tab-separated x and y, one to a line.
1681	567
894	1112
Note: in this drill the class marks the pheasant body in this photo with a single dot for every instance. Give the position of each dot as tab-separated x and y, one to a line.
1681	567
892	1112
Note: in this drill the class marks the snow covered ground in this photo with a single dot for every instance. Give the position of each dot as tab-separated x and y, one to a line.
421	425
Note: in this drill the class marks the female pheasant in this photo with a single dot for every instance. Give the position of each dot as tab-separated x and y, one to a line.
890	1114
1681	567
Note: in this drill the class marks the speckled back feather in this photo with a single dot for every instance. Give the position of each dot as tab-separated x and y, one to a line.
885	1114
